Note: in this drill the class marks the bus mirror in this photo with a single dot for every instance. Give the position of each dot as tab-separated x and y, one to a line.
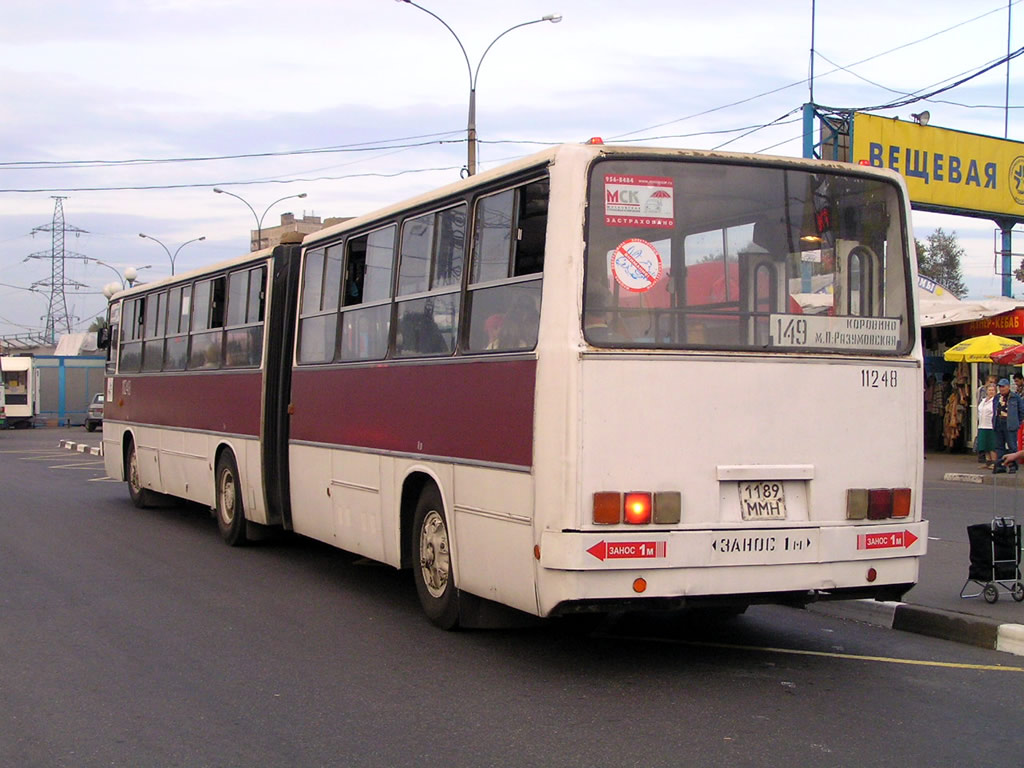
103	338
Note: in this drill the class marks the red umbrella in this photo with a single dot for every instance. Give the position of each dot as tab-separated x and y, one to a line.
1009	356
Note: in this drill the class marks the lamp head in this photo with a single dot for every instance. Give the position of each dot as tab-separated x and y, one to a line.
218	190
554	18
922	118
131	274
301	194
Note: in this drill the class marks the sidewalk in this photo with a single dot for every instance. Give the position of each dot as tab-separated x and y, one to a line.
934	607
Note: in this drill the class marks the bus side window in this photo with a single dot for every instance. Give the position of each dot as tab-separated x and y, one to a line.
366	316
243	338
131	345
207	321
432	254
318	325
507	259
153	347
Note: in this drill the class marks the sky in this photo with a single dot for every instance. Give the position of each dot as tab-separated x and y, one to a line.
363	103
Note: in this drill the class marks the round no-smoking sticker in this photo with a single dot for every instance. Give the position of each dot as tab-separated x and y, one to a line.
636	265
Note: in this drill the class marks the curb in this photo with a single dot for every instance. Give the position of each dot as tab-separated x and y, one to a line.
963	477
933	622
71	445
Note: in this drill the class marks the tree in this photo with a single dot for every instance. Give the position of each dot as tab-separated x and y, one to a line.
97	324
940	261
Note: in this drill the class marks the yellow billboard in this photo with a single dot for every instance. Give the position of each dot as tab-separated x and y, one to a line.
945	169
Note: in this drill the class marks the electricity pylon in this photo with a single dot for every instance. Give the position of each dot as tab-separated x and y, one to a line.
57	314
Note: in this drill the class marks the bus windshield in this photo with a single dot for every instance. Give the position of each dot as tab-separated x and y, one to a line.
686	254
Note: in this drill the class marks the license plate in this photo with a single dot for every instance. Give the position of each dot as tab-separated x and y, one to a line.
763	500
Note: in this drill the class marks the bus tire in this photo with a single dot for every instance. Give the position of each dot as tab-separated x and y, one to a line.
141	497
230	510
432	570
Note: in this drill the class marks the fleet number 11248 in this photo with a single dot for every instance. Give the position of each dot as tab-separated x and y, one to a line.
876	379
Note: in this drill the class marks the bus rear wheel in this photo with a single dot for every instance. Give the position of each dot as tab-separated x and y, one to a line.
141	497
230	511
432	566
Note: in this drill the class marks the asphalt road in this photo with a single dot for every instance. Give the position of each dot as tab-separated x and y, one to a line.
136	638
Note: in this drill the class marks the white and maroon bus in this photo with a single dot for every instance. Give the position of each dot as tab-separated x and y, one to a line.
596	379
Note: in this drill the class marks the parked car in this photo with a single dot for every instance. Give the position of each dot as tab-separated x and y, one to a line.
94	416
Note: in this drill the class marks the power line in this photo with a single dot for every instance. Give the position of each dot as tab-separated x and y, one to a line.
369	146
804	80
208	184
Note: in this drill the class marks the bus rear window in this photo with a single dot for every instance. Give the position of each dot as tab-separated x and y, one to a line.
722	256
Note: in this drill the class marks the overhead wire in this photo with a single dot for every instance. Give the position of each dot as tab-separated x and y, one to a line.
825	74
368	146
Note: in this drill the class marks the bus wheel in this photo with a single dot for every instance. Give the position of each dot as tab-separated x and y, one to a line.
141	497
432	569
230	512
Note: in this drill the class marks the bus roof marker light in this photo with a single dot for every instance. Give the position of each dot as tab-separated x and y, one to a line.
638	508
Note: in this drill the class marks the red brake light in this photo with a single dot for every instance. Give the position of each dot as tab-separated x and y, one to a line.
879	503
638	508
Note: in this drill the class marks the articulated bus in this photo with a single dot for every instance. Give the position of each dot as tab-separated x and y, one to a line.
596	379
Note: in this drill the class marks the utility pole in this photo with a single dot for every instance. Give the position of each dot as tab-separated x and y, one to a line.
57	313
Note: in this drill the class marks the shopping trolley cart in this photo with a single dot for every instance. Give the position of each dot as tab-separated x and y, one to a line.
995	560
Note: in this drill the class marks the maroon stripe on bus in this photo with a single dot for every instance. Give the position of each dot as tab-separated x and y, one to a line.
227	402
481	411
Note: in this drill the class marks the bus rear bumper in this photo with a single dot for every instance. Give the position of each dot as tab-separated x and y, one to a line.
779	565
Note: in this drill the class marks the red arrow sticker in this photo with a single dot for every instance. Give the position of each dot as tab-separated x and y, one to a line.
624	550
895	540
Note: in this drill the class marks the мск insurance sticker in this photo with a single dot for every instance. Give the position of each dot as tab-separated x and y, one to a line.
638	201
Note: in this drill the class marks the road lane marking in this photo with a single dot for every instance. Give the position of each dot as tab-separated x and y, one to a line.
830	654
47	457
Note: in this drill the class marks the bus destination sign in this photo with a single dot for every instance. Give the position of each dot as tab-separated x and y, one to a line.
880	334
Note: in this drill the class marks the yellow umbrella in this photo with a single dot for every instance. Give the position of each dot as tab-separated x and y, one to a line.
978	349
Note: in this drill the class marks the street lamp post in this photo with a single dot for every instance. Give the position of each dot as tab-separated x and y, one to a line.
474	75
167	251
259	219
131	274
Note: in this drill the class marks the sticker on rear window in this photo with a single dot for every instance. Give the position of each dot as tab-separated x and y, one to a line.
636	265
638	201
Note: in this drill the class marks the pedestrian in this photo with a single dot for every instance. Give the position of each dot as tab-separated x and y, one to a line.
936	409
1006	420
982	394
986	444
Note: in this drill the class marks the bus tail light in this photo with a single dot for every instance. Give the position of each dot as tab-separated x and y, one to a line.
856	503
879	503
638	508
607	508
668	506
901	502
